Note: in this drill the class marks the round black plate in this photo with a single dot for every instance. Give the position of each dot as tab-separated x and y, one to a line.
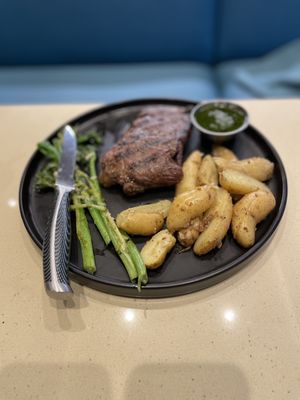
182	272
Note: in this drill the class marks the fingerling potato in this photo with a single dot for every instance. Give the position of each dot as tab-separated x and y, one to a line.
190	171
257	167
217	221
247	213
207	173
224	152
144	220
159	207
156	249
187	206
239	183
140	223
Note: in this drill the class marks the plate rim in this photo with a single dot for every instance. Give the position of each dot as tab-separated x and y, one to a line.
151	290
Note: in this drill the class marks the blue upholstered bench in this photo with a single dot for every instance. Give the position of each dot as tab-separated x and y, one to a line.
92	50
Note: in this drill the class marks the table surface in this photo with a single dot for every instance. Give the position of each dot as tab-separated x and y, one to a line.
238	340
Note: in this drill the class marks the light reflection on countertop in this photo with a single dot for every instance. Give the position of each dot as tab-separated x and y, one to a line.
129	315
12	203
229	315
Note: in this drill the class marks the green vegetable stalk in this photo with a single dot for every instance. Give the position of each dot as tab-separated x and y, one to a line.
87	195
138	262
84	237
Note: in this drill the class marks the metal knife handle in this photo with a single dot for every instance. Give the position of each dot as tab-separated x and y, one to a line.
56	246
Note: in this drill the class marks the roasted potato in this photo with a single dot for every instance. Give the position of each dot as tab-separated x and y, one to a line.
217	221
160	207
207	173
187	206
224	152
239	183
248	212
190	171
144	220
257	167
140	223
187	236
156	249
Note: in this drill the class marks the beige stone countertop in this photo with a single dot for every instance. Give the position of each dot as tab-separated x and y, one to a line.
238	340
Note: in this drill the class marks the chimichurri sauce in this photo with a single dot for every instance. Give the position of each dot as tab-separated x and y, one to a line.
220	118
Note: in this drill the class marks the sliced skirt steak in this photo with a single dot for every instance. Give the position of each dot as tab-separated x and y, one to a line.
149	154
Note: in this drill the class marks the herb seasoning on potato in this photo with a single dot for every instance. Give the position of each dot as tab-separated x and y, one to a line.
248	212
156	249
188	206
217	219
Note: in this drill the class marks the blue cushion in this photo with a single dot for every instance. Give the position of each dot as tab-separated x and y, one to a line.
251	28
106	83
99	31
274	75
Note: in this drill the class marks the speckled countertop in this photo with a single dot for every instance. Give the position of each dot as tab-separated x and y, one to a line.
239	340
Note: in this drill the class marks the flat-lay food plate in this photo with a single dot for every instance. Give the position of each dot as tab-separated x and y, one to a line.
182	272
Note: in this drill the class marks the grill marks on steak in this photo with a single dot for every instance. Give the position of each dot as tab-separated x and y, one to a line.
149	154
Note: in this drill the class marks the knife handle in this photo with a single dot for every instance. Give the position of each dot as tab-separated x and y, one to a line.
56	246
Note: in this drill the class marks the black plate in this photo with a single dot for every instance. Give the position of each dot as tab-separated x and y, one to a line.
182	272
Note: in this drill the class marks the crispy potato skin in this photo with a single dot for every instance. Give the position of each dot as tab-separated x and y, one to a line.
190	171
238	183
247	213
224	152
156	249
144	220
217	221
207	173
187	206
257	167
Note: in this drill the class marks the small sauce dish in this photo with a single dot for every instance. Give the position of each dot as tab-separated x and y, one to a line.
219	120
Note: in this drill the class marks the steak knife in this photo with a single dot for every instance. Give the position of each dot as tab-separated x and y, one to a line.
56	246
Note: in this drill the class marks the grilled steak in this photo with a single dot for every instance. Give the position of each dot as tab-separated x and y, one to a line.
149	154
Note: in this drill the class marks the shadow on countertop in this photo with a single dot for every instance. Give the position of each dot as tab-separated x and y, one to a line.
160	381
187	381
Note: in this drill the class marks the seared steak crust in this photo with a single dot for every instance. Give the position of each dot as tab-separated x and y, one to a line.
149	154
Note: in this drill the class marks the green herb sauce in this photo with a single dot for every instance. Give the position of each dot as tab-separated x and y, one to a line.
220	117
